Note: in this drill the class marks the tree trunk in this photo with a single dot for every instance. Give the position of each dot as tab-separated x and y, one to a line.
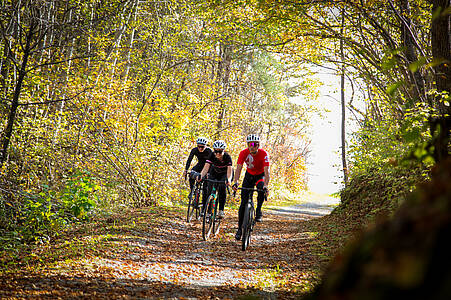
441	51
408	41
15	102
223	78
343	104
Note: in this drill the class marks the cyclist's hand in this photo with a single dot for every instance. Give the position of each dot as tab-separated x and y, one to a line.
184	174
227	183
199	178
265	189
235	186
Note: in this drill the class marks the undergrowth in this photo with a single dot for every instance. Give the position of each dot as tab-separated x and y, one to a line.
367	200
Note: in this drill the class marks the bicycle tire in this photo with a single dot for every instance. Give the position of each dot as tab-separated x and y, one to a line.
216	222
207	226
247	227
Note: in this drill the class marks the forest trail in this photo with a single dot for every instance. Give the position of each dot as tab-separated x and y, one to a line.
155	254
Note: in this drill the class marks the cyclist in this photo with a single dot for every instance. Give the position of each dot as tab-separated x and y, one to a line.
201	152
257	174
219	167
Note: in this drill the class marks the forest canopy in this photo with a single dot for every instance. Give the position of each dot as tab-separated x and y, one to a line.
102	100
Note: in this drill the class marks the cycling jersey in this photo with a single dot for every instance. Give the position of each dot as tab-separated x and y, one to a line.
217	166
255	163
201	158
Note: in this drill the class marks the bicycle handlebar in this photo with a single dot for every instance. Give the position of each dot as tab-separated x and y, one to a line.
249	189
193	174
215	181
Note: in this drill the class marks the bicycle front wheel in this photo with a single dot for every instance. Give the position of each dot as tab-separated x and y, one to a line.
247	227
217	222
189	213
207	222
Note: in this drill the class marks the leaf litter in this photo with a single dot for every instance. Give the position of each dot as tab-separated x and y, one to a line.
167	258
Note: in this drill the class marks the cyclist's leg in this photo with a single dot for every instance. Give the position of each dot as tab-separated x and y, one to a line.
248	182
192	180
191	184
205	193
197	168
222	193
260	198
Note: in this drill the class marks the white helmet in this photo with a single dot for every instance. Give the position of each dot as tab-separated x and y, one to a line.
201	141
219	144
252	138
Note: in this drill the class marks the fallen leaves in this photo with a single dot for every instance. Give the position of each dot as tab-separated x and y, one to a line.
168	258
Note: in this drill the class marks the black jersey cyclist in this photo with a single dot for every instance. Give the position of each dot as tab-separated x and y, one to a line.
219	167
201	152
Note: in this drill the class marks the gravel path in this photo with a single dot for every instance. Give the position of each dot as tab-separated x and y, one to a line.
170	260
320	206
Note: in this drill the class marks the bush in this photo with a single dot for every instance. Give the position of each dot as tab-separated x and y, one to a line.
36	217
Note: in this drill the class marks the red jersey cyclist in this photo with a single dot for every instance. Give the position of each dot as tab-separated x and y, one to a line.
257	174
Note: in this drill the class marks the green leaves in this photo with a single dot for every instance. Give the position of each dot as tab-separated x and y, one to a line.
388	64
391	89
415	66
79	194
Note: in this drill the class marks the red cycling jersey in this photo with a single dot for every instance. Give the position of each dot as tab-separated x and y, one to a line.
255	163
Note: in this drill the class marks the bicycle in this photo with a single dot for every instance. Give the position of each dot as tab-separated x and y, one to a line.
210	222
194	198
248	218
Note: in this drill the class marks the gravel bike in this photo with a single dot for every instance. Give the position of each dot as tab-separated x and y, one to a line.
248	218
194	198
210	221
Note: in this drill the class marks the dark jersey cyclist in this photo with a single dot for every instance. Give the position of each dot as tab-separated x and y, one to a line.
219	167
201	152
257	174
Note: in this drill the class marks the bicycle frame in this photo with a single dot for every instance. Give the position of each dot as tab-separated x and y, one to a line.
194	197
214	190
211	207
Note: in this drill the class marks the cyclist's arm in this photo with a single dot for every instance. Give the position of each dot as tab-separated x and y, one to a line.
188	161
239	167
266	180
229	174
205	170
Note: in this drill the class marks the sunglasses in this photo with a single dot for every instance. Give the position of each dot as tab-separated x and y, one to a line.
218	151
254	144
201	146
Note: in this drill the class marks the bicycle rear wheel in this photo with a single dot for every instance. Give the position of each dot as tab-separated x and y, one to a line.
207	223
247	227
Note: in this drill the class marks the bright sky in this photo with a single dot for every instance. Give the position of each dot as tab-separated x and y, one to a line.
324	163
